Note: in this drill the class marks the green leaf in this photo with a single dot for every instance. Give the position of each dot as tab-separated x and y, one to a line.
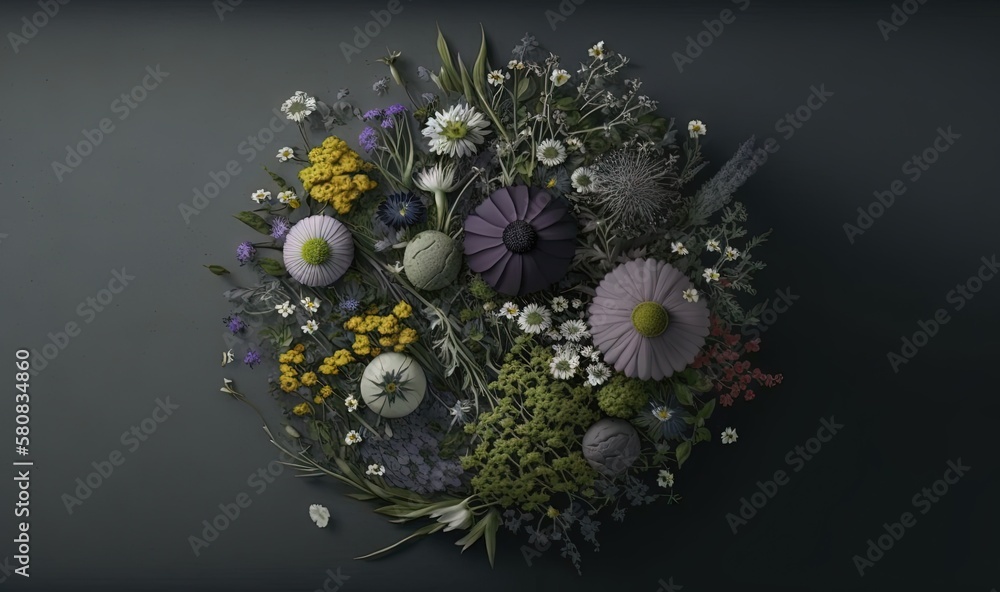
216	269
449	77
475	533
492	526
707	410
479	68
466	81
683	452
684	394
565	103
281	182
523	86
430	528
272	267
254	221
362	497
703	435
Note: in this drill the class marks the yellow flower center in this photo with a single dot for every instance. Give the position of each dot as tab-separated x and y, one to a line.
650	318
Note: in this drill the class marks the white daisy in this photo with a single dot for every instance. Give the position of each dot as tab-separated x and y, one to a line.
515	65
598	374
731	254
583	180
697	128
574	143
352	438
534	319
375	469
351	403
665	479
298	106
310	327
509	310
710	275
563	365
457	131
286	196
559	77
320	515
678	248
691	295
729	436
260	196
285	309
551	153
577	303
496	77
554	335
559	304
309	304
712	245
285	154
597	51
574	330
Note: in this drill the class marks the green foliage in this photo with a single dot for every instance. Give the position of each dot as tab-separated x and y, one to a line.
529	443
623	397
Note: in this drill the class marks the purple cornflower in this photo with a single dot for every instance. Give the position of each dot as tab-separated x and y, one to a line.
252	358
245	252
372	114
394	110
235	323
368	139
280	227
349	306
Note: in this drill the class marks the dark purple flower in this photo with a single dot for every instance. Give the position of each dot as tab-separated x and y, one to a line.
400	210
245	252
388	123
234	323
520	239
368	139
252	358
372	114
280	227
349	306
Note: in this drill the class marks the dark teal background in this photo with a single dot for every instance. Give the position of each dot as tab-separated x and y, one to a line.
161	335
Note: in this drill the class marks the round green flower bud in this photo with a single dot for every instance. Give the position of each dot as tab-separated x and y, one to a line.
649	318
315	251
432	260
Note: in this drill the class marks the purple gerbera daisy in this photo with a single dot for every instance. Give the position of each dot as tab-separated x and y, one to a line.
520	239
641	322
245	252
318	250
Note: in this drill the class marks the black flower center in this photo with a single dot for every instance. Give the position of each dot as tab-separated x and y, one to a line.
519	237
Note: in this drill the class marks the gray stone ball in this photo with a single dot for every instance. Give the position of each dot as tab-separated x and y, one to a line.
432	260
611	445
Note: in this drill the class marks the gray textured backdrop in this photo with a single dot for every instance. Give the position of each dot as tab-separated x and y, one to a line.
159	338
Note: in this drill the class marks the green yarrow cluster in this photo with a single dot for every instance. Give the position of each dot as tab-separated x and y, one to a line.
529	443
623	397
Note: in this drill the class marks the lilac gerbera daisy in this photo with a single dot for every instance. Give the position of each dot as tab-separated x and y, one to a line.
641	322
318	250
520	239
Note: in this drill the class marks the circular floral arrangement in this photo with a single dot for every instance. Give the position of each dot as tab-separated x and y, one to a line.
511	308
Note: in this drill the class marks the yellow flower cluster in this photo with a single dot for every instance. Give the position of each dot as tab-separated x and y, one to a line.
336	174
333	364
289	381
302	409
386	329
